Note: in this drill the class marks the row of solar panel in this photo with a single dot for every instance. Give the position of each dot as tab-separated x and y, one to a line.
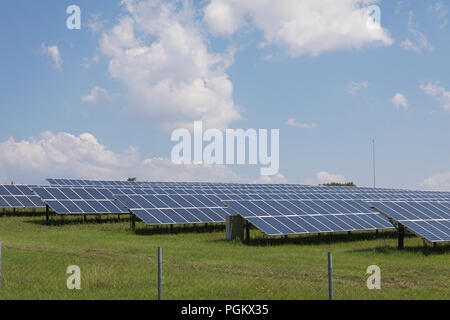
78	182
15	190
182	216
173	201
430	220
228	186
86	206
262	208
434	231
318	224
64	193
413	210
21	202
322	195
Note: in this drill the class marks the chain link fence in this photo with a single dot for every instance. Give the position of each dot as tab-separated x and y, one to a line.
197	263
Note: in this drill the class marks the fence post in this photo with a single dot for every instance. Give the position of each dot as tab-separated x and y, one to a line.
330	275
159	273
0	269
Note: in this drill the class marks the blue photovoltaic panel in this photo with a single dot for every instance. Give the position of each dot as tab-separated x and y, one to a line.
284	217
78	200
175	209
18	196
427	219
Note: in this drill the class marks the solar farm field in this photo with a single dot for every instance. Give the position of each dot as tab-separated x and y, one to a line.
198	263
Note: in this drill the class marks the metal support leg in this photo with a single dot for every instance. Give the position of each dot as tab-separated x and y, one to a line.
401	236
247	232
133	223
46	215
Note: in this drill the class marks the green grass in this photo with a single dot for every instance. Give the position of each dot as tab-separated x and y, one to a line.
199	264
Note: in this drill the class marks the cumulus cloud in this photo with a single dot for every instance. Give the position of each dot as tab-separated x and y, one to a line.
438	92
354	87
326	177
440	9
322	177
95	95
302	26
159	52
83	156
437	181
306	125
400	101
419	40
53	53
277	178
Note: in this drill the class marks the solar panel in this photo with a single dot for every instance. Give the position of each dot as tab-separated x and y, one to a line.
77	200
285	217
427	219
18	196
175	209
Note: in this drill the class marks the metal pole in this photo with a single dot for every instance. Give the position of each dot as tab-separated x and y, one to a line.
0	269
373	149
401	236
159	273
247	231
46	215
133	223
330	275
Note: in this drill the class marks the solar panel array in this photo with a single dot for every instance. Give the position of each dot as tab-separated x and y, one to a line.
175	208
71	200
428	219
274	208
18	196
284	217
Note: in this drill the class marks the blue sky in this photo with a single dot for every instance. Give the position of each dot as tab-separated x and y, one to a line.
89	103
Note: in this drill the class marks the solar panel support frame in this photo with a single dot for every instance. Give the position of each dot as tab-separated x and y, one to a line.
401	236
234	227
47	219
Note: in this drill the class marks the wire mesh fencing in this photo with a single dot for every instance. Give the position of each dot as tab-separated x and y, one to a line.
104	259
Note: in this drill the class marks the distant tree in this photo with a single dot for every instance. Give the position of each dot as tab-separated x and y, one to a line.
339	184
132	179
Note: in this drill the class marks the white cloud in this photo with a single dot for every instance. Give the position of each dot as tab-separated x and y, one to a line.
302	26
441	12
53	53
87	63
95	95
277	178
294	123
322	177
354	87
159	52
95	23
326	177
419	41
83	156
439	92
400	101
437	181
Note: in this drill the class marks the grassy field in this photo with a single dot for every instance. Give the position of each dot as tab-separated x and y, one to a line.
198	263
